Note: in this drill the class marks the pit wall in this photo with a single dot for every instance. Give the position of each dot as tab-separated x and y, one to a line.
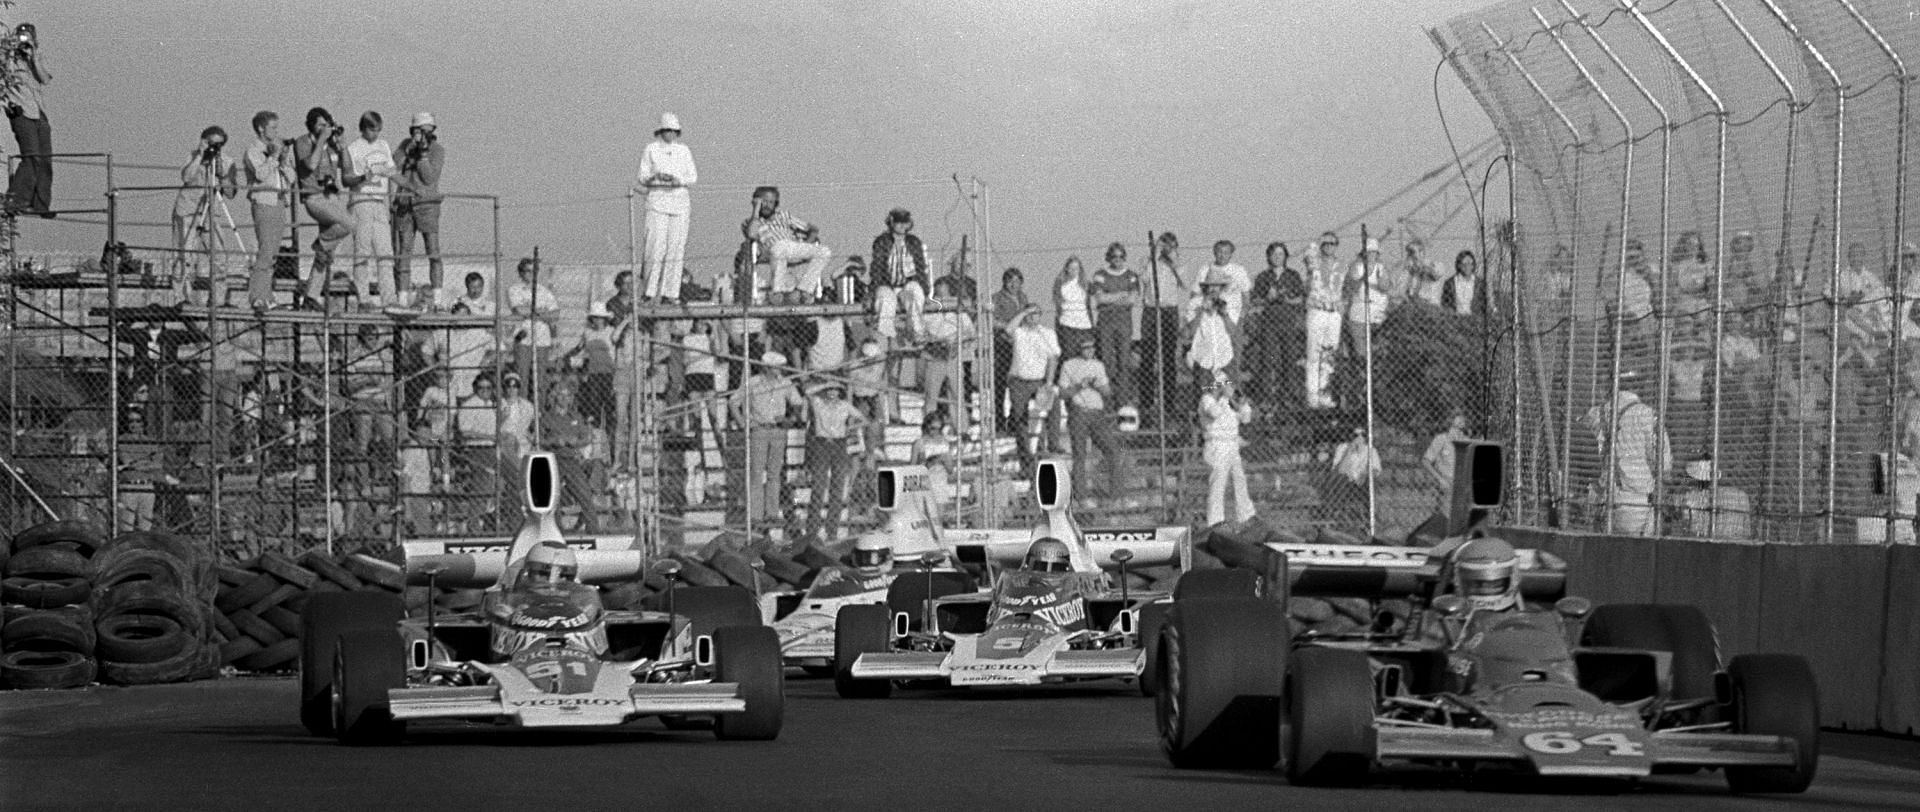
1850	610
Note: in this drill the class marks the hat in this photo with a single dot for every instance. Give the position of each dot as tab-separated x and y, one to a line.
1215	276
598	310
1701	469
1086	344
856	261
1373	244
899	215
824	387
668	121
773	359
423	119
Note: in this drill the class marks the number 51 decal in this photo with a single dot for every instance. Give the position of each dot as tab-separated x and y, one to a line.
1563	743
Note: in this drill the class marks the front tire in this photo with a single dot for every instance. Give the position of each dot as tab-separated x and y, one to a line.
1153	618
750	657
860	629
1223	670
366	664
326	617
1330	712
1776	695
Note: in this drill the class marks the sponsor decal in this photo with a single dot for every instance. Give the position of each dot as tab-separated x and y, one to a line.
528	621
1064	615
1032	599
1340	553
917	482
567	702
501	546
1565	718
1119	535
998	667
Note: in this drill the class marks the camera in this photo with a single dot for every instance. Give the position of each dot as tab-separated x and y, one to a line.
211	151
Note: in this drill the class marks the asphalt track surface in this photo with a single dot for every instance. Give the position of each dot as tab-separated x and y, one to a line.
236	744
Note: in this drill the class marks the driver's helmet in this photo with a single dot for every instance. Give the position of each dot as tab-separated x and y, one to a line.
549	563
1485	572
1049	555
872	554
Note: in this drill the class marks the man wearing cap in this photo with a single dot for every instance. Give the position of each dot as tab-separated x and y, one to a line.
1085	386
765	405
416	203
832	423
1221	414
1211	322
1325	278
1712	510
1368	299
666	170
1036	350
786	239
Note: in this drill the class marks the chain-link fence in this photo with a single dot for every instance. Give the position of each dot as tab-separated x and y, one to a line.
1712	316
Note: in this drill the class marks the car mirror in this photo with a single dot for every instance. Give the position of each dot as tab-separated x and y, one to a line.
667	568
1122	556
934	558
1573	608
1450	605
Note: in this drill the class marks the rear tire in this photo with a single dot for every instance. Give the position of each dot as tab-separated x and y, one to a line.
1227	583
1153	617
1683	631
860	629
1223	664
366	664
910	592
328	615
711	608
750	656
1330	712
1776	695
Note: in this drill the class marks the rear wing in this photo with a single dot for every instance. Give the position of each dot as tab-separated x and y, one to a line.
1006	549
1363	571
479	563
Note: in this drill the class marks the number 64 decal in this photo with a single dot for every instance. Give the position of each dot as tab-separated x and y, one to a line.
1562	743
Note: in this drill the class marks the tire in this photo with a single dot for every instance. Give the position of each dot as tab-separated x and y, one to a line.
49	562
166	544
121	566
711	608
46	669
1223	673
196	662
1683	631
1330	712
910	592
84	538
750	656
46	593
366	664
141	638
857	630
283	654
329	615
65	629
1776	695
1217	584
147	597
1153	617
244	595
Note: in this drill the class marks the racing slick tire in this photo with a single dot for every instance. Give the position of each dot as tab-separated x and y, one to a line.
1153	617
1227	583
46	669
1683	631
137	637
1223	669
861	629
327	616
1330	738
366	664
68	628
82	538
750	657
910	592
1775	695
44	593
711	608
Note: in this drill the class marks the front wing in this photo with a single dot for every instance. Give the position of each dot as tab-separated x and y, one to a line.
1586	753
614	699
961	672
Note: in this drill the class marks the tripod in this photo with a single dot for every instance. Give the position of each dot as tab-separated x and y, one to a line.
197	234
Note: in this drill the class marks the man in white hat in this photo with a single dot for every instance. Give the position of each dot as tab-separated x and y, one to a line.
1367	298
1324	279
594	356
666	170
765	406
1726	508
1211	322
833	425
416	202
1221	414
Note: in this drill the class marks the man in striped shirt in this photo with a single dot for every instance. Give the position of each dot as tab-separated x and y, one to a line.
786	239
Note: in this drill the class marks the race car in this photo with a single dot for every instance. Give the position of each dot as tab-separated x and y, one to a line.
542	651
1053	613
1486	665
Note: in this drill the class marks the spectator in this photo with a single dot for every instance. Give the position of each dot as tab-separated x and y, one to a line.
960	275
476	299
1356	460
1462	292
1687	267
934	446
1368	298
30	189
516	420
1439	460
1036	350
786	239
1867	303
1710	509
1221	413
1638	457
704	376
666	170
1425	281
568	435
1086	387
1008	302
765	408
1239	283
269	174
317	166
477	435
369	166
829	350
1324	284
593	355
869	390
416	204
1162	326
898	276
537	308
208	177
1116	297
1210	321
1276	348
1073	321
946	337
620	304
1559	275
1757	279
1636	295
832	425
433	411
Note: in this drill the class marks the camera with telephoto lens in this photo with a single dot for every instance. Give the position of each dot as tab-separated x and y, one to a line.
211	151
23	35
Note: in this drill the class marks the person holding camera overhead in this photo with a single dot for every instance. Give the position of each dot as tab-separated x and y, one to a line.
31	188
317	167
416	202
369	164
208	170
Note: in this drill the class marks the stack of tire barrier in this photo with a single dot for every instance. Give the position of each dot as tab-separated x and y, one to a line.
47	634
258	602
150	610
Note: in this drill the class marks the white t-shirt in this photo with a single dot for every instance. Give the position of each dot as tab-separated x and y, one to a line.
674	159
1033	348
1073	306
375	159
1087	371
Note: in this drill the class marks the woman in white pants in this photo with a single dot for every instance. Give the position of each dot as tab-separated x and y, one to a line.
1221	414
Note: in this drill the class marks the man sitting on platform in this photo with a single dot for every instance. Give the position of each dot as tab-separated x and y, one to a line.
786	239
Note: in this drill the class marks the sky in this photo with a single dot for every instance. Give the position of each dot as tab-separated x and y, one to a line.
1083	122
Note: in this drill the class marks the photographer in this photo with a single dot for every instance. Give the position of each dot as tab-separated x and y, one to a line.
31	188
1210	322
416	200
208	169
316	165
269	173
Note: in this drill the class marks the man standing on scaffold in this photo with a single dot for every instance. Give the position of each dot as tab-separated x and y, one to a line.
666	170
206	181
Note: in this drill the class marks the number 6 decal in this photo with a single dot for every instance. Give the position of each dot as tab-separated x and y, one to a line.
1562	743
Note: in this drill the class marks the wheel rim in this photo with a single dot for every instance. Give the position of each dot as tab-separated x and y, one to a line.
335	699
